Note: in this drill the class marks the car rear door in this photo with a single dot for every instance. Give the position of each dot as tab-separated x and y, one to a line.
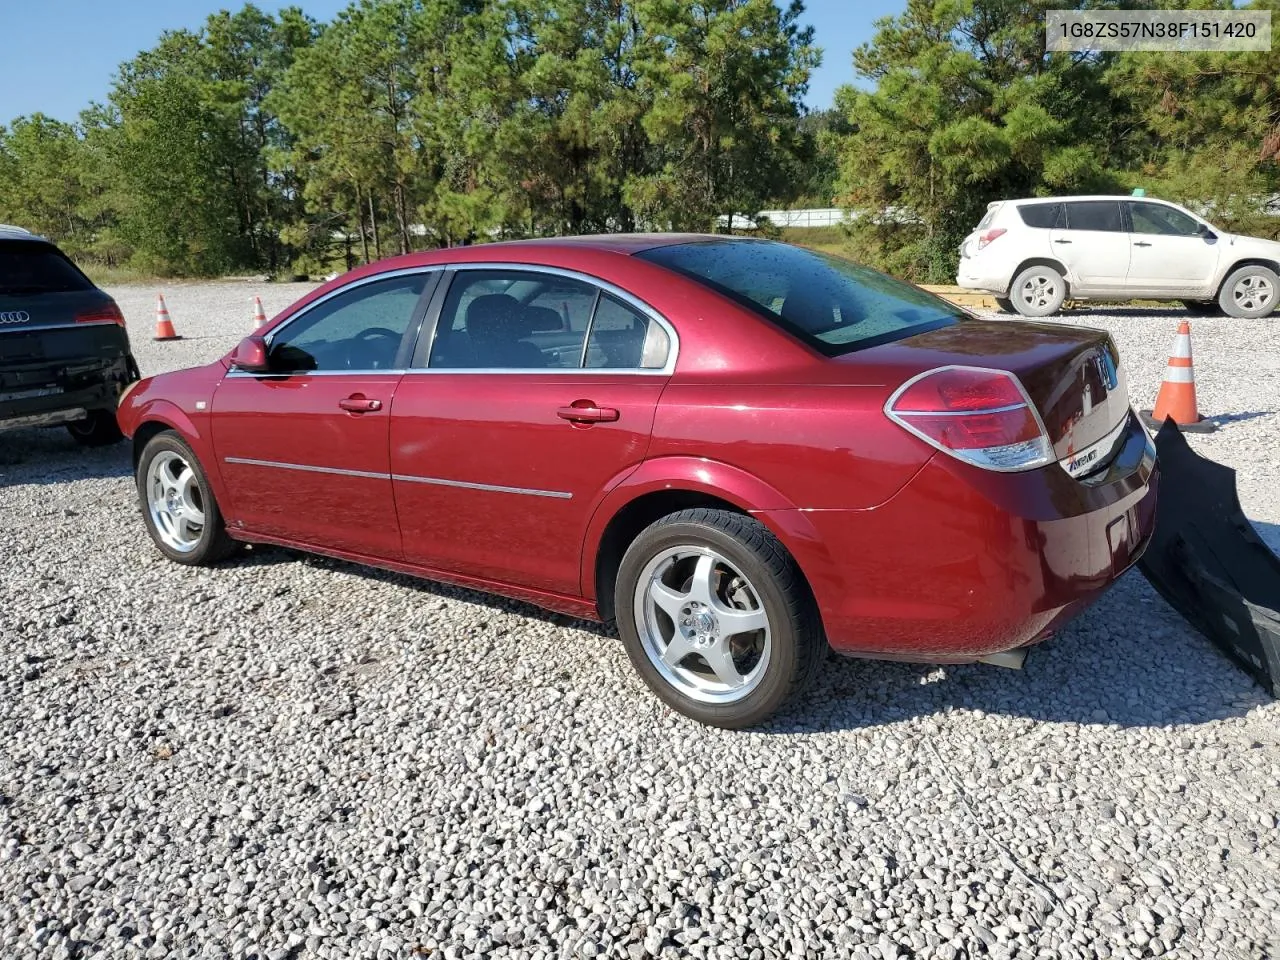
1093	243
303	449
505	433
1173	254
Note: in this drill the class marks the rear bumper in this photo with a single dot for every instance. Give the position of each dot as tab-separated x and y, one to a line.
44	394
972	277
962	563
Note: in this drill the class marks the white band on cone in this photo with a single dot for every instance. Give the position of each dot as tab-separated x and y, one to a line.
1179	375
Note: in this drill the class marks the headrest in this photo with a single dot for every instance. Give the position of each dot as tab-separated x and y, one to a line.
495	316
542	318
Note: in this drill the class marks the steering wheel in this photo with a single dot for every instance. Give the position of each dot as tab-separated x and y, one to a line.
368	338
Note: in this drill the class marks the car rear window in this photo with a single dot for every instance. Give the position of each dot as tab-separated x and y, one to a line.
831	304
32	267
992	210
1041	215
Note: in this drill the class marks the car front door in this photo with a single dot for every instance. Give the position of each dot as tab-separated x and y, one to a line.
1092	242
535	394
1173	253
303	449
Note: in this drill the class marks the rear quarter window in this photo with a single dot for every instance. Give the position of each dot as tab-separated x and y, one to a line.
31	268
1043	216
833	305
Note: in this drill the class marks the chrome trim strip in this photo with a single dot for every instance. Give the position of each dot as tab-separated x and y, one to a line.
306	468
544	371
491	487
406	478
960	413
277	375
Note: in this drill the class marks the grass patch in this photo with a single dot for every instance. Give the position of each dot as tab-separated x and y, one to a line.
105	276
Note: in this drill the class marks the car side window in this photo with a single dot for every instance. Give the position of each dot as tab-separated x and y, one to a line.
1103	215
512	320
1155	218
622	338
358	329
1041	215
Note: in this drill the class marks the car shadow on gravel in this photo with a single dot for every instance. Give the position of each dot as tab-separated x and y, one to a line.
51	457
1129	661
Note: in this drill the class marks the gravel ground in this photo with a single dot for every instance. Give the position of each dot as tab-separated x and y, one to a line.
295	758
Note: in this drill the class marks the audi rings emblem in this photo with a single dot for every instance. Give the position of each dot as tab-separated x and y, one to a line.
14	316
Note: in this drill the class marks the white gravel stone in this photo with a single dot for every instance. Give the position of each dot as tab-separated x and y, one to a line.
294	757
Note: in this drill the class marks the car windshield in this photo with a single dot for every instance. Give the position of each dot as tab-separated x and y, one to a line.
831	304
32	267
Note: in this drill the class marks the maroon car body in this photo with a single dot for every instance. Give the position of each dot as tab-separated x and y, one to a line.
480	477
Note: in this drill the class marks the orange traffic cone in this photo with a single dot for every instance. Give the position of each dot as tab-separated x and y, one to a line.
1177	397
259	315
164	326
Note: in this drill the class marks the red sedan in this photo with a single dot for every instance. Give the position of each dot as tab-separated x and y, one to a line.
739	450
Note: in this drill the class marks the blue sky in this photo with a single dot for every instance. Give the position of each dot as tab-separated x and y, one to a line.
58	55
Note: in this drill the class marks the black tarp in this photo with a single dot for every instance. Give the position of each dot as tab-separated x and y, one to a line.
1209	563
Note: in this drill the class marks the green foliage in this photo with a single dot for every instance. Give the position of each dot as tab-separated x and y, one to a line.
968	108
268	142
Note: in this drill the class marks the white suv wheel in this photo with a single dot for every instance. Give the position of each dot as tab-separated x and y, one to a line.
1038	291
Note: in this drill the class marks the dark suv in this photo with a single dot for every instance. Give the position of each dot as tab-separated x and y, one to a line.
64	353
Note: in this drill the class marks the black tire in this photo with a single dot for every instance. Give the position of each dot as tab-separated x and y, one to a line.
1203	308
212	543
1005	305
1038	291
796	644
1241	294
99	429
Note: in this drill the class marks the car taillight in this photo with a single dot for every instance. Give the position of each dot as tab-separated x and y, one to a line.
981	416
105	314
987	236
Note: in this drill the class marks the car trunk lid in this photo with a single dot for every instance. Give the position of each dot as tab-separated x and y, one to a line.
1071	374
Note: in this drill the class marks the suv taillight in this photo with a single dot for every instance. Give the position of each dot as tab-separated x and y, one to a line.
105	314
987	236
981	416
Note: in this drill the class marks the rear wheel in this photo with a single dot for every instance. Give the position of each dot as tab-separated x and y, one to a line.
99	429
1038	291
178	506
716	617
1250	292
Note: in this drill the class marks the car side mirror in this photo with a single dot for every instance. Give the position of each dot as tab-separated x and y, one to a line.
250	355
1208	234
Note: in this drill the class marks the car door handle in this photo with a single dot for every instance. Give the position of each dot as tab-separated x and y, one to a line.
358	404
584	411
1141	243
1062	241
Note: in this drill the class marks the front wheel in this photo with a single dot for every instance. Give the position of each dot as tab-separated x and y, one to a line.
99	429
717	618
1038	291
178	506
1250	292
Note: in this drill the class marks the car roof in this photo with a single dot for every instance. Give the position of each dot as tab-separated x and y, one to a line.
1090	196
9	232
625	243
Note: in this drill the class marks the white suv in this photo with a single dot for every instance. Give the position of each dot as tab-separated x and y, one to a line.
1033	254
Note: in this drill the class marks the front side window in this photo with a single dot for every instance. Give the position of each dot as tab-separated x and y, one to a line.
1156	218
524	320
832	304
359	329
1101	215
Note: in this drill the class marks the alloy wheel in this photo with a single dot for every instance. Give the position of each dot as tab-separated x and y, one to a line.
702	624
1253	292
174	501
